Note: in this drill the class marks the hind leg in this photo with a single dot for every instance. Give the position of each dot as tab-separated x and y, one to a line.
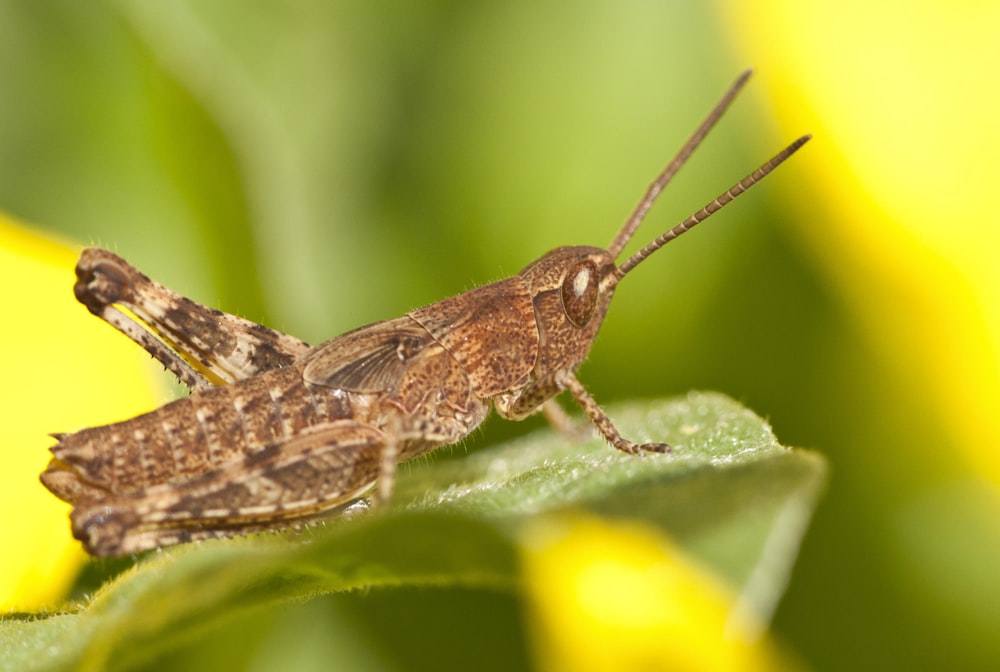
203	347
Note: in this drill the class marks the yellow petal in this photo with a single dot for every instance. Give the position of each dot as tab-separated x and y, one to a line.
902	102
63	369
622	597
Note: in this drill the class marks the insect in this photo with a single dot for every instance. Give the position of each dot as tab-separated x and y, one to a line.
276	432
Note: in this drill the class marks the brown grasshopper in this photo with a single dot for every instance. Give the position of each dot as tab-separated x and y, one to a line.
276	432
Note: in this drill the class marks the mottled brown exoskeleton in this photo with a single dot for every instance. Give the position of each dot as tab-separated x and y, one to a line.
277	432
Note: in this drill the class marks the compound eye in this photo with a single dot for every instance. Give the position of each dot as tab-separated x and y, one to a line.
579	292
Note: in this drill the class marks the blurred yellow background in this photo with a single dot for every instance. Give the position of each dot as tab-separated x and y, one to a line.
317	166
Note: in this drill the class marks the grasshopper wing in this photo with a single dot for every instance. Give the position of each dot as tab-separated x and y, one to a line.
370	359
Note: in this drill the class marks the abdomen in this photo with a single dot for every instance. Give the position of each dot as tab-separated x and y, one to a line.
189	436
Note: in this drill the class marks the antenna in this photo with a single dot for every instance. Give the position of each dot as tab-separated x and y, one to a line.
710	209
635	219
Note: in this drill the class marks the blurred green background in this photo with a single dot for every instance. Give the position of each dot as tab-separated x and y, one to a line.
320	165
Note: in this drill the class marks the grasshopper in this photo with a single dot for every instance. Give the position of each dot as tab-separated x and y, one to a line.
277	433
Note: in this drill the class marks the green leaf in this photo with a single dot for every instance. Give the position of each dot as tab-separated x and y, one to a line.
729	494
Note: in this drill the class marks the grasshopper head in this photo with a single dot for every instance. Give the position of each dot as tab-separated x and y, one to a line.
572	286
570	289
